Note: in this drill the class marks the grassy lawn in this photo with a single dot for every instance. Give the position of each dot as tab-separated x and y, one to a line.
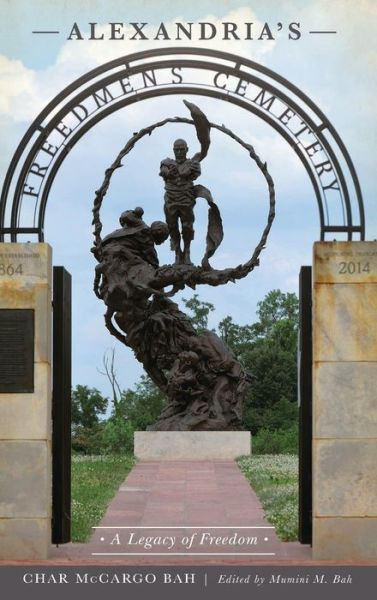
274	477
95	480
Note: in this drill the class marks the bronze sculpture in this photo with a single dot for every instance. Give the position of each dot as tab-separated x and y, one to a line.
179	174
181	194
204	383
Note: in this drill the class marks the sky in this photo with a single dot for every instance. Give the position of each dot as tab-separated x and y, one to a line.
338	72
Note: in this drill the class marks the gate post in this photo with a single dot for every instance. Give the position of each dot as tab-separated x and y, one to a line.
305	360
344	401
61	408
25	401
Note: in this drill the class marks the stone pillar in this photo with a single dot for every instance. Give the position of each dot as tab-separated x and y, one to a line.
345	401
25	417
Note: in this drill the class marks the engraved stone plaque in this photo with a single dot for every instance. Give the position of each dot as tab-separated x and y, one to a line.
16	351
345	262
24	264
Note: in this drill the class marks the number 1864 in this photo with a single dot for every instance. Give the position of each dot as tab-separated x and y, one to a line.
10	270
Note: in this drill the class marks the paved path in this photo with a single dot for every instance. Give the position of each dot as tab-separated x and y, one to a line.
169	502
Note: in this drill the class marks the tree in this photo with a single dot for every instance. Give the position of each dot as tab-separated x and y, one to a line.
276	308
108	361
87	406
272	358
143	405
199	312
136	409
275	372
237	337
117	436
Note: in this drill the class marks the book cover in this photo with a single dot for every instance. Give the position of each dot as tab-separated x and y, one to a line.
272	105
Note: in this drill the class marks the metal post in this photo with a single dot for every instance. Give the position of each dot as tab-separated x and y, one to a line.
61	408
305	406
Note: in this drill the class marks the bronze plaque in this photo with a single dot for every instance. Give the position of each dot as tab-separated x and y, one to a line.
16	351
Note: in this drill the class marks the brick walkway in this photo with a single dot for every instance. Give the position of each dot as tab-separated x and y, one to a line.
172	501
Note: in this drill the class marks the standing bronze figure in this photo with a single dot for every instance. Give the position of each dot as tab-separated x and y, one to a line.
179	175
180	197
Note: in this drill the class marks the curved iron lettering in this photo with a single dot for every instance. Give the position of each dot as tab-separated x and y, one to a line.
138	77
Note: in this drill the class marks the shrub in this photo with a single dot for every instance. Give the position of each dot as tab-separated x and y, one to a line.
280	441
87	440
117	436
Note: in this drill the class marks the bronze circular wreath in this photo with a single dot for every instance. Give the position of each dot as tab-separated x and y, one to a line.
101	192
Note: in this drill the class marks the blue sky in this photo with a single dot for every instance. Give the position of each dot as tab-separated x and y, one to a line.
337	72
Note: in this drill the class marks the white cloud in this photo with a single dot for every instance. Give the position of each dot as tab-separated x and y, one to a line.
25	91
19	90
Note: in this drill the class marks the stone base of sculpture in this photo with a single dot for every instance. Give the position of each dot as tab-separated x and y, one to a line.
192	445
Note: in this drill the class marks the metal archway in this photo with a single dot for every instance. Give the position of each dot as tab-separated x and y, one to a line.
190	71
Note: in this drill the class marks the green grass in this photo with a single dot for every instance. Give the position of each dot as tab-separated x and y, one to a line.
274	478
95	480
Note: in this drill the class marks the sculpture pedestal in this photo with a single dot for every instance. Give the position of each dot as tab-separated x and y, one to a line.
191	445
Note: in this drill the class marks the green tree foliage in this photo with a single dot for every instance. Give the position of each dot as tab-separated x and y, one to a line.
272	358
117	436
268	350
87	406
276	308
278	441
199	312
143	405
134	411
239	338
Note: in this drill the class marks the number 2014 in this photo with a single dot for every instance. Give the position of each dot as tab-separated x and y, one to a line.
351	268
